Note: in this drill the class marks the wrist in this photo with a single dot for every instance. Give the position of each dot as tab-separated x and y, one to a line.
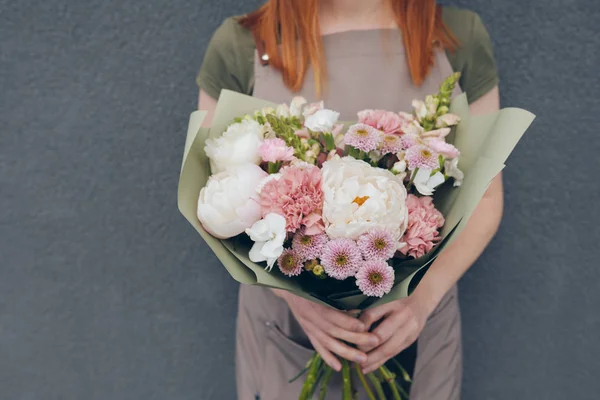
425	300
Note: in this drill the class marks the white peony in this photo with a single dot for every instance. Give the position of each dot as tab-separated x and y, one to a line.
359	197
322	120
227	205
238	145
268	234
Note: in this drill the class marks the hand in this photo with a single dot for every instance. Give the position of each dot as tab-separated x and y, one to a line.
401	323
328	329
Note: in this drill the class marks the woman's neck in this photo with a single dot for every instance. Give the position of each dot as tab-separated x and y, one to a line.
343	15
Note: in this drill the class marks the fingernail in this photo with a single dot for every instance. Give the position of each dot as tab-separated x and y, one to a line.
361	358
373	341
337	367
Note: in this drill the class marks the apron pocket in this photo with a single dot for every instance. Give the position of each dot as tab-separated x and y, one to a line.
283	360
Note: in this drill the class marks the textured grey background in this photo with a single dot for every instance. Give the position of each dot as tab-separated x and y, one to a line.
107	293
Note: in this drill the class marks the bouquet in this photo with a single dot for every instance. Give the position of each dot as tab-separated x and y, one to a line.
349	214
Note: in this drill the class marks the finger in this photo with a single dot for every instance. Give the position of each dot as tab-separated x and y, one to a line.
337	347
342	320
365	339
372	315
394	323
325	354
386	351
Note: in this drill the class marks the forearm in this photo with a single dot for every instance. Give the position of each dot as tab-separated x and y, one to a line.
456	259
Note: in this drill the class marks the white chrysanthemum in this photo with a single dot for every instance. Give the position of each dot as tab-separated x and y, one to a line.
359	197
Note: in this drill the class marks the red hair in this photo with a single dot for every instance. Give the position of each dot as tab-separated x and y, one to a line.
290	33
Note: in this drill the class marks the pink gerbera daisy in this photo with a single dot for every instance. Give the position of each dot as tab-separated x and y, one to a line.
375	278
309	247
341	258
391	144
290	263
377	244
363	137
421	156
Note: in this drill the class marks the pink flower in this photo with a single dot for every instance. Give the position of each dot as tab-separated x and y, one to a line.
421	156
377	244
290	263
386	121
363	137
441	147
341	258
309	247
375	278
297	196
391	144
424	222
273	150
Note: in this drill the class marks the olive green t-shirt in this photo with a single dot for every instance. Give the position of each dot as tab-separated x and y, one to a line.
229	59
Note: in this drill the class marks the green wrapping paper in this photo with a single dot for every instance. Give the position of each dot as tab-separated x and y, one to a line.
485	142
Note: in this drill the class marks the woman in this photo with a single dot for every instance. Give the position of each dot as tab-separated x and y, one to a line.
356	54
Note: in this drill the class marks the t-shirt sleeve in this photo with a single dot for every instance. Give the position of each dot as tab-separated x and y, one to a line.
474	57
221	68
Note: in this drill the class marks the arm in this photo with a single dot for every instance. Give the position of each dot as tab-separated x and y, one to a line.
403	320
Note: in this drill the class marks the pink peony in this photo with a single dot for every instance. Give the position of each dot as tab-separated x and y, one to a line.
375	278
363	137
297	196
273	150
424	221
386	121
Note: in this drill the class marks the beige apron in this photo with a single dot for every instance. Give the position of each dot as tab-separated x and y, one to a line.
366	69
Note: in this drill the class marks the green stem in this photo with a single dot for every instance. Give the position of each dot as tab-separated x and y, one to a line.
405	374
325	382
390	378
273	167
346	385
376	385
361	378
311	378
412	178
399	387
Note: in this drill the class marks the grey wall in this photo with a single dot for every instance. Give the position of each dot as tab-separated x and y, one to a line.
107	293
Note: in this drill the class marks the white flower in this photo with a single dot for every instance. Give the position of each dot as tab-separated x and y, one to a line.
426	183
312	108
420	109
238	145
447	120
399	169
268	234
432	105
282	111
359	197
322	120
452	171
227	205
296	106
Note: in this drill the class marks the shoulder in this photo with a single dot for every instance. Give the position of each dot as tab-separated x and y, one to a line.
228	60
474	55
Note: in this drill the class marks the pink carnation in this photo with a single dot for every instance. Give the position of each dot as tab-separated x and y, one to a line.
273	150
296	195
386	121
424	222
375	278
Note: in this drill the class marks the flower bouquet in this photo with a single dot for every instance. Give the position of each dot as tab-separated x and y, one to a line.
345	214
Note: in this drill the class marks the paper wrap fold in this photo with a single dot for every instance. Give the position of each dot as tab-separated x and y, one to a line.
485	142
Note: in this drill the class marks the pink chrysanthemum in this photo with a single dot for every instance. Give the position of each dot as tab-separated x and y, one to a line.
341	258
290	263
296	195
363	137
375	278
409	140
391	144
309	247
421	156
377	244
424	222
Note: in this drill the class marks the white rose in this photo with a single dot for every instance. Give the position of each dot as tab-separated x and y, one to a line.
227	205
322	120
359	197
238	145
